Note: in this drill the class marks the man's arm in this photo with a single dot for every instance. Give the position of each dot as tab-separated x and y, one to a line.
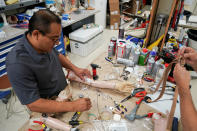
78	71
188	111
52	106
66	63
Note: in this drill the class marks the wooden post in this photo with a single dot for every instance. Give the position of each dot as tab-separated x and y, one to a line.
151	23
174	5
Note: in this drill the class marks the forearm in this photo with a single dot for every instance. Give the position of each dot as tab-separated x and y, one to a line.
188	111
66	63
50	106
101	84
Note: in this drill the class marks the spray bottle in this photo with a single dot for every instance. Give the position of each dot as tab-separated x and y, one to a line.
136	56
110	50
142	57
128	50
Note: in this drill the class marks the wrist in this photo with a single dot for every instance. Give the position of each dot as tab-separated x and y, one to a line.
75	69
183	90
73	106
68	106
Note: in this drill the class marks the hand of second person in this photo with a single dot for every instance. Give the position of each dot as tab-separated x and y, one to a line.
186	50
181	76
82	104
83	72
190	56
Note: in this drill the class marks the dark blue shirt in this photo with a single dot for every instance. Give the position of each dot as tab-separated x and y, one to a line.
34	75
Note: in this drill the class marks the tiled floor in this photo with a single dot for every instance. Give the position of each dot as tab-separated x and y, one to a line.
16	120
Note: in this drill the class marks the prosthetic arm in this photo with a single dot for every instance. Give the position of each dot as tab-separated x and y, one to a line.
55	123
122	87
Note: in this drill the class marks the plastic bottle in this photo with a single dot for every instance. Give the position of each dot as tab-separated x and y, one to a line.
136	56
125	62
111	50
142	57
150	65
156	67
121	33
114	40
152	54
128	50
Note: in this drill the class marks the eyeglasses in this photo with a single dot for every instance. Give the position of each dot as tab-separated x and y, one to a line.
55	40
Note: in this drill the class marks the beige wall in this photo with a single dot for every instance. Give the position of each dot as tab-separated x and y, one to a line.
191	5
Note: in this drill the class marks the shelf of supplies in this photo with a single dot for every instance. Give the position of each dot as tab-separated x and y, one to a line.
19	5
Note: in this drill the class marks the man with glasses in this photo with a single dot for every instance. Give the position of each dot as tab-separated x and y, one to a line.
35	68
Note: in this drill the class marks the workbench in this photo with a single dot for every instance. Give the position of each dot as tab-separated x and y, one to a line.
103	98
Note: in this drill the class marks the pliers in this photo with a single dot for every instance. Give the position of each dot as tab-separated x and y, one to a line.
137	92
45	128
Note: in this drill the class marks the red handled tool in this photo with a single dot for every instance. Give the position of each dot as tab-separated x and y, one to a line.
137	92
132	115
40	123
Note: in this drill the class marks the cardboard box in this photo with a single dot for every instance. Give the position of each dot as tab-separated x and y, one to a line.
133	7
114	6
114	22
116	12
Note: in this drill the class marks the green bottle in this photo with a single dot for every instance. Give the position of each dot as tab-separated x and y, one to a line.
142	57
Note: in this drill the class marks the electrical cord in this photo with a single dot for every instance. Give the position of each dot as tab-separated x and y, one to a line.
99	111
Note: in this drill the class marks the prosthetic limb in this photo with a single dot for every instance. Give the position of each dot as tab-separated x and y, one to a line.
65	94
122	87
73	5
55	123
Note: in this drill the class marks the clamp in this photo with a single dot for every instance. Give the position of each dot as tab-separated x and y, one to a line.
132	115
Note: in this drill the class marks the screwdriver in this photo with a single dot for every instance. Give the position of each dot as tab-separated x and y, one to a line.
73	123
76	116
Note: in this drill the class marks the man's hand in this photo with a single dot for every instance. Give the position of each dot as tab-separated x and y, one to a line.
82	104
82	72
190	56
181	76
